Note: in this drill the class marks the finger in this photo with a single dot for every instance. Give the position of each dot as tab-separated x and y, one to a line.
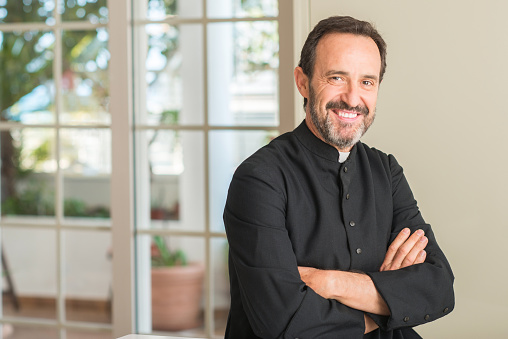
394	246
414	252
421	257
405	248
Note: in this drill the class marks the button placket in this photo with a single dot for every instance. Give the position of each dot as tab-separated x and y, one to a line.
349	218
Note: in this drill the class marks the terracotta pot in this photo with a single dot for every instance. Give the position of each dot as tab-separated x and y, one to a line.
176	297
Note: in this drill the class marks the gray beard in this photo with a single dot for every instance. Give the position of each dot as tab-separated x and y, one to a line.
330	132
332	136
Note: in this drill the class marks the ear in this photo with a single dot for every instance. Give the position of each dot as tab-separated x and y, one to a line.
302	82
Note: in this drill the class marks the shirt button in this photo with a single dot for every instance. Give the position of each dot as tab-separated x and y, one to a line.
358	250
427	317
345	169
347	196
406	319
445	310
352	224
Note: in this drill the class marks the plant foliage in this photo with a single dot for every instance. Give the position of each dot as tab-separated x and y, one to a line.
163	257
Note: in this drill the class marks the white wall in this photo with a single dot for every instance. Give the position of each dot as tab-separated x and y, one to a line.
442	112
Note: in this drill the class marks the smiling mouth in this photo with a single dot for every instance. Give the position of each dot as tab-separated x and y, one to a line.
345	115
344	111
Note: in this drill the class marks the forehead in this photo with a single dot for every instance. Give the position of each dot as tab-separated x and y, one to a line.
344	50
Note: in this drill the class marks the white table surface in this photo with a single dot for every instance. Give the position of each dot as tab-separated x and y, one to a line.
140	336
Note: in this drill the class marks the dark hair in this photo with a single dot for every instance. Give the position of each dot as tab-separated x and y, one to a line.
338	24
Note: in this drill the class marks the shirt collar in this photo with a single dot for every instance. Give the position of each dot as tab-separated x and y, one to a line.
318	146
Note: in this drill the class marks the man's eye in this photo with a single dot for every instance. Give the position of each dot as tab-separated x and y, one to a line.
367	83
336	79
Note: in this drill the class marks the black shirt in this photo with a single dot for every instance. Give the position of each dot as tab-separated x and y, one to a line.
293	204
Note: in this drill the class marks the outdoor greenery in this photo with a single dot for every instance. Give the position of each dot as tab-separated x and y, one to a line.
37	199
163	257
27	63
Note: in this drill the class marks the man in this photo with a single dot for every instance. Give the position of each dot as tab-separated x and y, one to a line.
326	239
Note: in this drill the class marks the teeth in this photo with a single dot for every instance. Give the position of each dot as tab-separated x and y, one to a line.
348	115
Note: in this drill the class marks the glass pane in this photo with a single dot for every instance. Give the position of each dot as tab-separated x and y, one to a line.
242	8
27	11
30	255
87	276
243	62
172	179
94	11
85	78
220	248
165	9
28	172
227	150
170	84
27	89
171	278
86	165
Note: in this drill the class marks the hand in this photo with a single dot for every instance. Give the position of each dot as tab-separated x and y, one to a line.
405	250
370	325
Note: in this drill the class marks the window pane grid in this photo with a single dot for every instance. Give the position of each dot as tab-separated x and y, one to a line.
9	125
178	21
205	128
16	27
56	222
212	319
40	223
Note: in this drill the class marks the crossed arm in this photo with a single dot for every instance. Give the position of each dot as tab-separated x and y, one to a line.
357	290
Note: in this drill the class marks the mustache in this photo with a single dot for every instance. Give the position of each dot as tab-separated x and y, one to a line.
344	106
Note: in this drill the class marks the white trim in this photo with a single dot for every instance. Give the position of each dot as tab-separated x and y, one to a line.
122	219
11	125
179	20
301	28
70	25
286	102
208	288
205	128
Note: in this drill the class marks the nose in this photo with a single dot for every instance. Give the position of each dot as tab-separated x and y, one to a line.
352	95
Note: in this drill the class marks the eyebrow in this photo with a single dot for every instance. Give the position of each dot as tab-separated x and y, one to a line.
334	72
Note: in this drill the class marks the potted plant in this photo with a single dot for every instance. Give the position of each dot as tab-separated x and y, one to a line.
177	288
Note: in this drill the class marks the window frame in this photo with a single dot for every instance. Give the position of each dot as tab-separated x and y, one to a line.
287	121
57	223
123	191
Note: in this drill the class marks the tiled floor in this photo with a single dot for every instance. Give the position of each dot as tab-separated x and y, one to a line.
75	311
88	312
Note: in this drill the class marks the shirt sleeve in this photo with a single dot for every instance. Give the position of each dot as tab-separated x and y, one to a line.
419	293
275	300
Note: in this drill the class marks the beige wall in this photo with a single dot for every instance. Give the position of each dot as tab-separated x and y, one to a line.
442	112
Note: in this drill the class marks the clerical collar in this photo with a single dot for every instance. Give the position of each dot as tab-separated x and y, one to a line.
343	156
318	146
